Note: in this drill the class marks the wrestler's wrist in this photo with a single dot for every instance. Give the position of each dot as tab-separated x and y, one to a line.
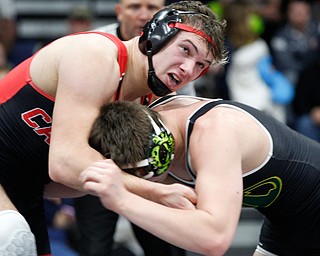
146	189
158	193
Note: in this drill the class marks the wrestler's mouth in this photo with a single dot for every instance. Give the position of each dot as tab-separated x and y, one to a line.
175	79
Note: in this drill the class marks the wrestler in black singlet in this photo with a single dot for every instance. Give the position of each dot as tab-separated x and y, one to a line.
286	189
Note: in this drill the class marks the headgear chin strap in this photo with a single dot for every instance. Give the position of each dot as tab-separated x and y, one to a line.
155	84
160	153
157	32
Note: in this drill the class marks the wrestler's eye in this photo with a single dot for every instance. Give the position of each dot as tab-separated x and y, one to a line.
185	49
200	65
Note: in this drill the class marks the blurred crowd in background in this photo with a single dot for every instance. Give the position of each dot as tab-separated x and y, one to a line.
274	65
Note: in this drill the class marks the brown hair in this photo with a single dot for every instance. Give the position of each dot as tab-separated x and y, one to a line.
122	131
207	22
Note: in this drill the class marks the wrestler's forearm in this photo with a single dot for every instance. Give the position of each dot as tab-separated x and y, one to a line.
146	189
194	230
66	166
174	195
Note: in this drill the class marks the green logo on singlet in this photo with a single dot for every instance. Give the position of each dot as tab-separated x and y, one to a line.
262	194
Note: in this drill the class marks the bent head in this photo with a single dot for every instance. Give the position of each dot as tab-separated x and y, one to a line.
135	138
189	16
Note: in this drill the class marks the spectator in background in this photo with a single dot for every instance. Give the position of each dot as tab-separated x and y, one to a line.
17	49
295	45
250	76
8	32
271	13
306	104
8	17
97	224
4	65
80	19
132	16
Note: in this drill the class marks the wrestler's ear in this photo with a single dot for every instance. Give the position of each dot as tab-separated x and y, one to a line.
118	10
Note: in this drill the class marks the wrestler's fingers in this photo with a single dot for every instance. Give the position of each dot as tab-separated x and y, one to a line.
95	173
90	175
103	166
187	205
192	196
186	192
92	187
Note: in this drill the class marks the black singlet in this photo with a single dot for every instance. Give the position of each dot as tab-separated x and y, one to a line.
285	189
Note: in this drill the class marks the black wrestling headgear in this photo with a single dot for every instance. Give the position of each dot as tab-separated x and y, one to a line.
157	32
155	35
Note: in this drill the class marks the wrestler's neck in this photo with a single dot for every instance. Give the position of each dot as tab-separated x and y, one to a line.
175	121
176	115
135	81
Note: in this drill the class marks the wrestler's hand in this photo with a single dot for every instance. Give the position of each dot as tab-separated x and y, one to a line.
104	179
176	196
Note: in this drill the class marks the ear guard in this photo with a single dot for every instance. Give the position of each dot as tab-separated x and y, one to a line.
159	30
156	33
160	154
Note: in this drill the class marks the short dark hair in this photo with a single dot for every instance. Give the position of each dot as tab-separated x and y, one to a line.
122	132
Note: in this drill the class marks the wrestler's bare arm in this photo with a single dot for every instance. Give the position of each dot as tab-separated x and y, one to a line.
86	80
